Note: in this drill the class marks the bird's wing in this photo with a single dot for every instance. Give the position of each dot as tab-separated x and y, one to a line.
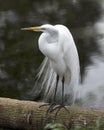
72	75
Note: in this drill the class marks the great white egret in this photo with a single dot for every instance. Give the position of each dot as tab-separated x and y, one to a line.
60	68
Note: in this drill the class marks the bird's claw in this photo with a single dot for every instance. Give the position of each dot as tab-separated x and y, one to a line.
58	108
54	107
51	106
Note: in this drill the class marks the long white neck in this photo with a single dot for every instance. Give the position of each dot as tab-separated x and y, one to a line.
47	44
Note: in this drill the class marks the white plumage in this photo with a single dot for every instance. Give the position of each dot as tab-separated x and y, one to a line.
61	58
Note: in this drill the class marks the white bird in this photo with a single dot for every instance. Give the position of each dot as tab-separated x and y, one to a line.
60	69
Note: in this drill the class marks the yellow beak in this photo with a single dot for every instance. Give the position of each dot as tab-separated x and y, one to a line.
32	28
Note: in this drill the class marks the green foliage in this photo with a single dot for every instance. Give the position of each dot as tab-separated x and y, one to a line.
53	126
98	125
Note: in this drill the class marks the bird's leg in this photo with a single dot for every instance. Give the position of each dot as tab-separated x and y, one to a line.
63	91
62	105
54	98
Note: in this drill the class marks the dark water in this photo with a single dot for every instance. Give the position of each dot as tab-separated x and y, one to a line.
19	54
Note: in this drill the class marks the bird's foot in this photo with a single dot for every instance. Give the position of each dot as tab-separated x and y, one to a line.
58	108
50	108
54	107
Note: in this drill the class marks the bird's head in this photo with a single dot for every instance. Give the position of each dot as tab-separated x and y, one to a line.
42	28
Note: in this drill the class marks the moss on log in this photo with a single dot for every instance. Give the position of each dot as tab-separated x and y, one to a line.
26	115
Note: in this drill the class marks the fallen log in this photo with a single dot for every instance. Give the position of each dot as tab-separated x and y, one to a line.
26	115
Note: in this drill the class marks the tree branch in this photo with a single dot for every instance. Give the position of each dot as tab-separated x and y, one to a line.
27	115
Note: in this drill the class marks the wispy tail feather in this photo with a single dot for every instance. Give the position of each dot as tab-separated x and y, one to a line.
42	67
45	79
46	82
40	80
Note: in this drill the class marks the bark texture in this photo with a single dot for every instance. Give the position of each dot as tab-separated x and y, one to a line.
26	115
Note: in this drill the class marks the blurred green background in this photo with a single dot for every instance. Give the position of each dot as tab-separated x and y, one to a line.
19	53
